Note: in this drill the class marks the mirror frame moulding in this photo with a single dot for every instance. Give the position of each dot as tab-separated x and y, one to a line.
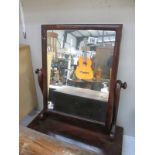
112	27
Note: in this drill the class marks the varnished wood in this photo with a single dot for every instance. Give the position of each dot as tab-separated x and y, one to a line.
87	131
118	87
113	27
32	142
73	131
110	115
92	125
44	66
84	70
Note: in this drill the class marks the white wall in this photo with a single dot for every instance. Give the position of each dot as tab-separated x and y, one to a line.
88	12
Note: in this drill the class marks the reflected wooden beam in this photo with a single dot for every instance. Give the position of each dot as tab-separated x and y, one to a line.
89	33
102	37
65	38
98	32
79	39
110	35
80	33
73	35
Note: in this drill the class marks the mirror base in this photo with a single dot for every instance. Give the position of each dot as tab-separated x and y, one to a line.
53	127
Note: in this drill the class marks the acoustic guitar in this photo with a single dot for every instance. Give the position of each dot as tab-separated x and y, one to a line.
84	69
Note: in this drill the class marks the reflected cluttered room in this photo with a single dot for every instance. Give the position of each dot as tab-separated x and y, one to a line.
79	63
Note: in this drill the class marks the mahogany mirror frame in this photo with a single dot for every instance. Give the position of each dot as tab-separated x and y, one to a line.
111	111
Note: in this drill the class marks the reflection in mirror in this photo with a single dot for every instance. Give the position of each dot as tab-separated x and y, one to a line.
79	64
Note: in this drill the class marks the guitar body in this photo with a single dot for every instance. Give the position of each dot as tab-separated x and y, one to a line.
84	70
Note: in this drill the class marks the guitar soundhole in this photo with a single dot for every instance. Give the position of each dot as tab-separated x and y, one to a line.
85	63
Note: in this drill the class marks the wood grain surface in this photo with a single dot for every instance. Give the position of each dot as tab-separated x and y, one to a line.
35	143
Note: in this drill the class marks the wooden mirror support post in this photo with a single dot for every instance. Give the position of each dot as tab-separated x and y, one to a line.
119	85
105	135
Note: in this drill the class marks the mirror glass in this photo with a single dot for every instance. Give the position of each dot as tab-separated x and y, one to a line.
79	66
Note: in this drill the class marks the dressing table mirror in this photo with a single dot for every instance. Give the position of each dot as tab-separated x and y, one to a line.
79	83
